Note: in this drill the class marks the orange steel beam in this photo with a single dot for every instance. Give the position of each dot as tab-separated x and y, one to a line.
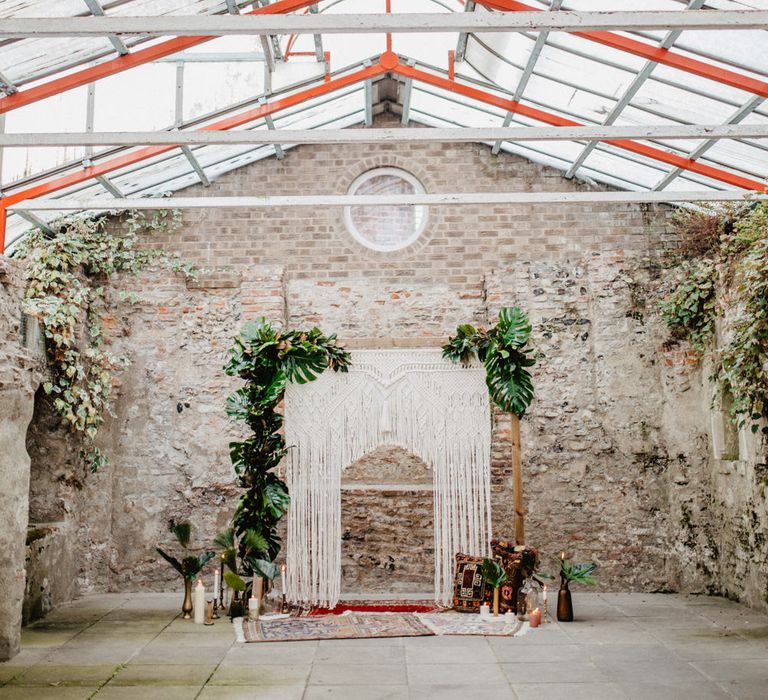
130	60
555	120
388	62
666	57
236	120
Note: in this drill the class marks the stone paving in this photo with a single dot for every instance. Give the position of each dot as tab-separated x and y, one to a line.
622	645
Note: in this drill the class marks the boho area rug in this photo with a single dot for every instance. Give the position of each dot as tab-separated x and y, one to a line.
352	625
375	606
453	623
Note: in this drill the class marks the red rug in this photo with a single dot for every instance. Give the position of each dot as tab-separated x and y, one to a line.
374	606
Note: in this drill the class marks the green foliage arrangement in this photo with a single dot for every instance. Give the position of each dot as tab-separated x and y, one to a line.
493	572
267	359
733	275
504	352
579	573
191	565
66	279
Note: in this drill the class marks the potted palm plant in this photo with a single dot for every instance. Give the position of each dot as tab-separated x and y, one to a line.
494	575
579	573
189	566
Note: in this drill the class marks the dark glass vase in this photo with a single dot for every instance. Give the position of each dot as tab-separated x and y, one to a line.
564	604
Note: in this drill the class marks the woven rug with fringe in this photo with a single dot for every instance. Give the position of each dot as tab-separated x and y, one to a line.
351	625
453	623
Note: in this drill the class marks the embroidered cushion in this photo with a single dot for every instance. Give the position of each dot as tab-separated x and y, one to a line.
517	564
468	584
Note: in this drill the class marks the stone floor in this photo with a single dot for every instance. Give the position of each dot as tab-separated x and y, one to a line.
622	645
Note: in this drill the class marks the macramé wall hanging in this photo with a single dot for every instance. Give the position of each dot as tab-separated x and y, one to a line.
414	399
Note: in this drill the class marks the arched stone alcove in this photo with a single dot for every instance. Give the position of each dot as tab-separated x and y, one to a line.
387	524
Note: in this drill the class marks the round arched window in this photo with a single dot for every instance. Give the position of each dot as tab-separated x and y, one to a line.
386	227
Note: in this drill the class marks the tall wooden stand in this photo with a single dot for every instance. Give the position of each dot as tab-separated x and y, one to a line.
517	480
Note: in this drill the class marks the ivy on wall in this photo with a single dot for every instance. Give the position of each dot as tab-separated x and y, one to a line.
724	277
66	277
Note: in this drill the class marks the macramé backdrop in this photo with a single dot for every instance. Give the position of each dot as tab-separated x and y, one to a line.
410	398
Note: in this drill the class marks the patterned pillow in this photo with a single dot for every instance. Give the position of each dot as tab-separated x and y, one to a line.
468	584
518	564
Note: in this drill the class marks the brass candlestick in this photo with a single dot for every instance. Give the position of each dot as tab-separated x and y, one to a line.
209	613
284	605
186	607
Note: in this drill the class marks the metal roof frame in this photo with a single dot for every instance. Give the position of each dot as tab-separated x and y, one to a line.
484	96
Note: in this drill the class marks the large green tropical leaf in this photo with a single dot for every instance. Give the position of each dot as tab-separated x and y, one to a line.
514	328
173	561
182	532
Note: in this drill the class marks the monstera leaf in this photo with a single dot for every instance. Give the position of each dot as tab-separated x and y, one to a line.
504	352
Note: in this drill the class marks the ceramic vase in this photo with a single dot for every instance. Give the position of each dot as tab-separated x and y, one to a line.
564	604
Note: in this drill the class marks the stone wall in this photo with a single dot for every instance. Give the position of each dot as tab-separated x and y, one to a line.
20	372
615	448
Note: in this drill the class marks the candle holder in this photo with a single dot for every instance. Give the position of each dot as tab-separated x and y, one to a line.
186	607
284	605
215	609
209	613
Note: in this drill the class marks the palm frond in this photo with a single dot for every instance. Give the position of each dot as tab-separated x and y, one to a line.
182	531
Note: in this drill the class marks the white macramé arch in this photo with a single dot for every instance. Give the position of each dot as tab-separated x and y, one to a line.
413	399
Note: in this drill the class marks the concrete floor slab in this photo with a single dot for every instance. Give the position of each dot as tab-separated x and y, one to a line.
165	692
621	647
568	691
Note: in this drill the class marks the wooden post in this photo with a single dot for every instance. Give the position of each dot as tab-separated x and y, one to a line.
517	479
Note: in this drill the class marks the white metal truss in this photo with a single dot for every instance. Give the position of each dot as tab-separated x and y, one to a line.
642	75
346	200
520	133
226	25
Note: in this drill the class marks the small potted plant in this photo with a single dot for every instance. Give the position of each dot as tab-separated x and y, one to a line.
494	575
579	573
189	566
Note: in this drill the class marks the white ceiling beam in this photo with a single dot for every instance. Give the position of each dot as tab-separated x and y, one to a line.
634	87
742	113
344	200
394	135
461	44
530	65
223	25
195	163
95	8
218	57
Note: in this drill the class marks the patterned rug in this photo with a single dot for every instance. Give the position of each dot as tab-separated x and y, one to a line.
453	623
352	625
375	606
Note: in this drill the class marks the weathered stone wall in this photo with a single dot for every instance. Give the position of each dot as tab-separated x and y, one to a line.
615	448
20	372
387	524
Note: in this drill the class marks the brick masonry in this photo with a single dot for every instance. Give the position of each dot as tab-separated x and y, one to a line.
617	462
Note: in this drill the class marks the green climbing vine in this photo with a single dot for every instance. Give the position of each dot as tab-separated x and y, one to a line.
266	359
724	277
67	276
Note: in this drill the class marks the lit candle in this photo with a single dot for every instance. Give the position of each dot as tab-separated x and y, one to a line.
216	584
253	608
199	603
485	611
534	618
